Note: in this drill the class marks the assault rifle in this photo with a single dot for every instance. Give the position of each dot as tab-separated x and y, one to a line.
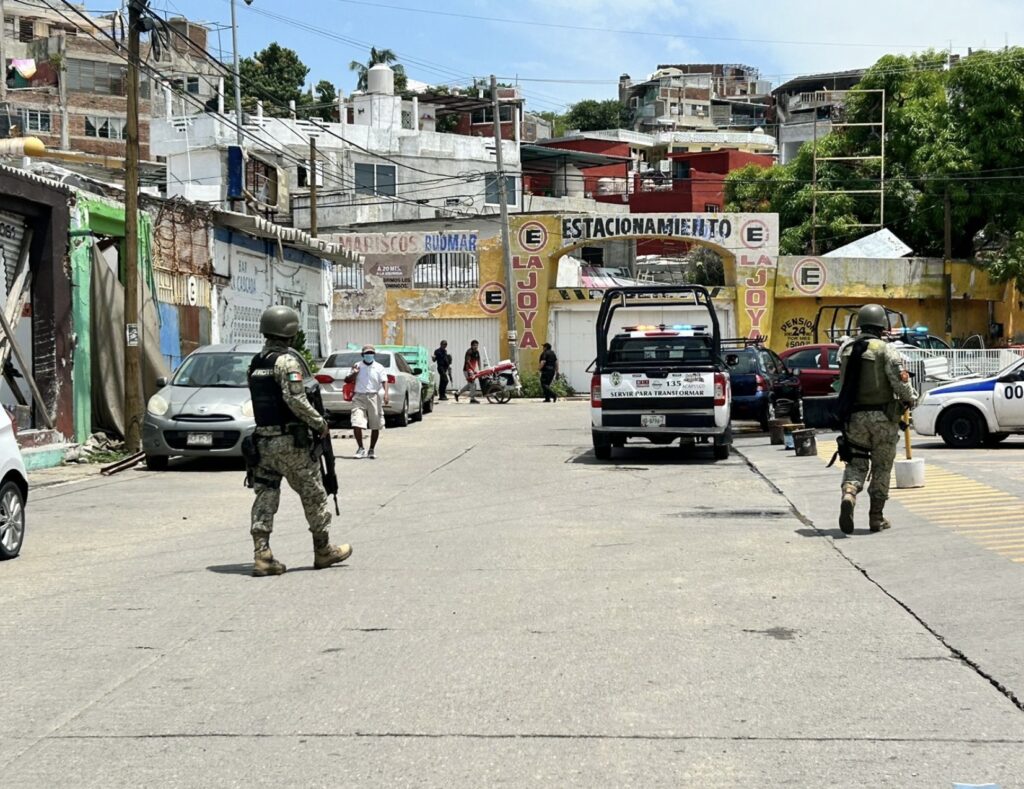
323	452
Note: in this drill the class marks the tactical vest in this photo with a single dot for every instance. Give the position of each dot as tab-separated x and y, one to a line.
874	388
268	403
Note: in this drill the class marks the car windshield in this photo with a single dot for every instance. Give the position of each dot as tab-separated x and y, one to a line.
227	370
683	350
350	358
746	364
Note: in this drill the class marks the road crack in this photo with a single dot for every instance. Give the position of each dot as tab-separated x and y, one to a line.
955	652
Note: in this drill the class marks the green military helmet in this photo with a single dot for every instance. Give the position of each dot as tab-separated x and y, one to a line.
279	321
872	315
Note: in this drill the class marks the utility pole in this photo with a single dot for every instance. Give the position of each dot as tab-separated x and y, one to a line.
312	186
238	93
132	332
3	54
506	247
62	93
947	264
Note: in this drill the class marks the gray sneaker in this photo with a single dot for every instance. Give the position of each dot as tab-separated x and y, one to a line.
371	455
360	453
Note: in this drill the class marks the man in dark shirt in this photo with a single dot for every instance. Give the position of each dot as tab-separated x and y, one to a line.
444	368
548	371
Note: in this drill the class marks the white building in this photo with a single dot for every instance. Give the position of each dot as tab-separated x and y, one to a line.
383	162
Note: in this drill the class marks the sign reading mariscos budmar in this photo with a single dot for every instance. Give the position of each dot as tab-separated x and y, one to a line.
748	243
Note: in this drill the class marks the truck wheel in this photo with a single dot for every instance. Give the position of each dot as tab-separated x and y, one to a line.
962	428
767	415
721	451
602	446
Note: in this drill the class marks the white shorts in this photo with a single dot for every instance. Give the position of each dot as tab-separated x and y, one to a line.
367	412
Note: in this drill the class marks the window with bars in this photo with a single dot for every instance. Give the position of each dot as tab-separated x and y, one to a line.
26	30
105	128
486	114
100	77
491	196
375	179
35	121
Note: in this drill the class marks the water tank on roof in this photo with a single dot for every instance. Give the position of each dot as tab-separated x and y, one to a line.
380	79
567	181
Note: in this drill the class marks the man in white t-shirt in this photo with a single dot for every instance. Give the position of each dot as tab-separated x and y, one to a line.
371	380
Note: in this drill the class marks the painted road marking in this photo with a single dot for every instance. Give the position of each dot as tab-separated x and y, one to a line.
988	516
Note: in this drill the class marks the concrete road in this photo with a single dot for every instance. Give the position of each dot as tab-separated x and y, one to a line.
515	612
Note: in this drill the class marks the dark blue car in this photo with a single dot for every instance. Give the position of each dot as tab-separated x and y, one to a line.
763	388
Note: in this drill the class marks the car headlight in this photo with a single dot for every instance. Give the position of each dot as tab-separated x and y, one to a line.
247	409
158	406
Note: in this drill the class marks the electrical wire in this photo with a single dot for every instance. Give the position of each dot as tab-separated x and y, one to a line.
157	76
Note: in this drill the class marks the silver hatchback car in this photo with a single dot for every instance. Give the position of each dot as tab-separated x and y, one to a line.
404	387
205	409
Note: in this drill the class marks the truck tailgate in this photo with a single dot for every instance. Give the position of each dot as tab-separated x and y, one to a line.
636	399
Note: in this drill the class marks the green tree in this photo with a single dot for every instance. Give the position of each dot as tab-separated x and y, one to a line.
385	56
593	115
955	131
558	125
326	99
274	76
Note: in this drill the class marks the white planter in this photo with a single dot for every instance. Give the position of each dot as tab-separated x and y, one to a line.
910	473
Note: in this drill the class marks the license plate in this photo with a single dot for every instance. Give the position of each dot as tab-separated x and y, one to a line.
652	420
200	439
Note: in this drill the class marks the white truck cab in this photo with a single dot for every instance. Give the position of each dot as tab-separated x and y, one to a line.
659	382
972	412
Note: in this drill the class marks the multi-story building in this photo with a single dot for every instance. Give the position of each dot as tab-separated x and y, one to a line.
385	163
806	106
697	97
66	80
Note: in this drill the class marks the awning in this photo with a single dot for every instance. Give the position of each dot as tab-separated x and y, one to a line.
259	227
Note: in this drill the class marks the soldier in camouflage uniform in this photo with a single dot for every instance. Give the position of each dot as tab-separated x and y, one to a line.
284	421
883	392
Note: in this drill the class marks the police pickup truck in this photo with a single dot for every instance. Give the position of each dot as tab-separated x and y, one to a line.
972	412
659	382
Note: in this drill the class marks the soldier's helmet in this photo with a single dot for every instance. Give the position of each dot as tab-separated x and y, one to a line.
279	321
872	315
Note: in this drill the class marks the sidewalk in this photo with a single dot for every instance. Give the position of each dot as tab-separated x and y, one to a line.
969	596
62	475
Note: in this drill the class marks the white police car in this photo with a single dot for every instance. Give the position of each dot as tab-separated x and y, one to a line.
659	382
975	411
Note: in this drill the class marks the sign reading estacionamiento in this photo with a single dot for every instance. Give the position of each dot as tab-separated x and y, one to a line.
709	227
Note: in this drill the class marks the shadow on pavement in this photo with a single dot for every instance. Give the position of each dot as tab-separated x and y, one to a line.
231	569
636	457
205	465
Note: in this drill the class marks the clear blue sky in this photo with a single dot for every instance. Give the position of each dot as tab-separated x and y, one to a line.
583	45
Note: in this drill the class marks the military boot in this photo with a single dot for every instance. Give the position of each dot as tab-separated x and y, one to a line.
877	521
846	508
263	561
325	554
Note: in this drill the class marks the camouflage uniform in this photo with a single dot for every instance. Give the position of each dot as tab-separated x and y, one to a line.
280	458
877	431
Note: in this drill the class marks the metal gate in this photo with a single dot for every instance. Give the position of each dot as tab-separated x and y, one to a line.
358	332
459	332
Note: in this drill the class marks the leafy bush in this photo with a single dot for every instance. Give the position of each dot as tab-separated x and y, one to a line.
531	386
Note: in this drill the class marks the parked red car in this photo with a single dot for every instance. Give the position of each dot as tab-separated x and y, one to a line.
816	365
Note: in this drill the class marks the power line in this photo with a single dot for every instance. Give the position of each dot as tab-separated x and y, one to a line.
153	73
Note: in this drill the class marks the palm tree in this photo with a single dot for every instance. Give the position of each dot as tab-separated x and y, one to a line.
385	56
